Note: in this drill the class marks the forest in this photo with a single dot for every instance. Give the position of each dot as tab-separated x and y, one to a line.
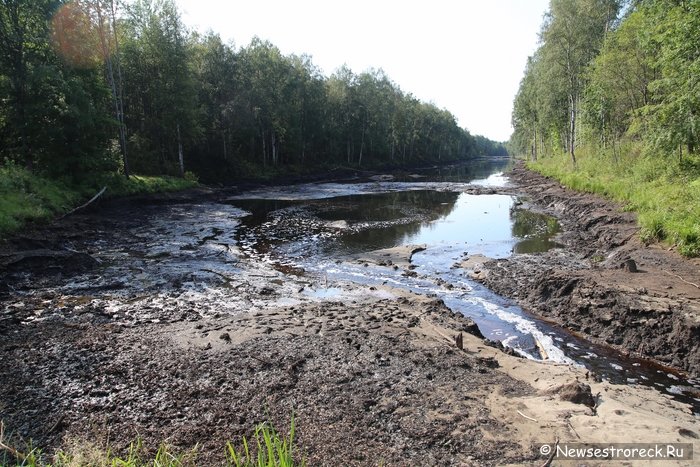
95	86
610	103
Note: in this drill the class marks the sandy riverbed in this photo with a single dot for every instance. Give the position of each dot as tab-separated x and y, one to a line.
374	378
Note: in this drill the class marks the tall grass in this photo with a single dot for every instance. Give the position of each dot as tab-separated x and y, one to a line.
270	450
665	193
26	197
266	448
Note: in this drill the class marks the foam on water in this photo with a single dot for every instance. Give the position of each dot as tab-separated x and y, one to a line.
525	326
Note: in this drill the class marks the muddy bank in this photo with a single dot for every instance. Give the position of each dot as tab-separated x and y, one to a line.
651	310
377	381
159	322
384	377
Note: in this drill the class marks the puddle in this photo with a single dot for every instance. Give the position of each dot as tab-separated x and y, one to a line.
326	293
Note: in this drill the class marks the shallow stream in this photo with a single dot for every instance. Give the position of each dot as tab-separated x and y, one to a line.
315	228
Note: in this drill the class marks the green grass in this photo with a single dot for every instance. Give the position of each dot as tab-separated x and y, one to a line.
269	449
266	448
664	192
26	197
118	185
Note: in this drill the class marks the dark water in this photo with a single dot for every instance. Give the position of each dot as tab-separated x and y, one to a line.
313	226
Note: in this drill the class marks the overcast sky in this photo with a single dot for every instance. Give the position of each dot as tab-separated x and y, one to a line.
466	56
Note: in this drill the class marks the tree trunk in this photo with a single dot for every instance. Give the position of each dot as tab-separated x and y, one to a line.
264	149
120	89
115	87
273	144
223	138
362	146
179	153
18	76
572	129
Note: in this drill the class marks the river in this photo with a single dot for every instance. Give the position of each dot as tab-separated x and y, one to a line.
431	208
285	245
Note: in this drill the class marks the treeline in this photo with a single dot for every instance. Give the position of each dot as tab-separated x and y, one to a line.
96	85
609	73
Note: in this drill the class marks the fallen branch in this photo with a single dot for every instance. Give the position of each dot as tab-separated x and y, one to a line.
554	453
83	206
571	427
13	452
679	277
525	416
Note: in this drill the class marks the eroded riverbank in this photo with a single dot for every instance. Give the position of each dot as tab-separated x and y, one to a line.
179	326
653	312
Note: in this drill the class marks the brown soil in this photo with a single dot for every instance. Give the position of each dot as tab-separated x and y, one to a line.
370	381
586	287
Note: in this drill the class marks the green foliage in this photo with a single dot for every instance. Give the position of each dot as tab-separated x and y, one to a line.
269	450
160	102
265	449
27	197
269	113
95	86
664	194
88	454
641	85
619	78
672	115
547	107
54	116
639	96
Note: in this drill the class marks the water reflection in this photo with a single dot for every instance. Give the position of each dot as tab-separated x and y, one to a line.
491	225
387	206
475	169
485	224
536	231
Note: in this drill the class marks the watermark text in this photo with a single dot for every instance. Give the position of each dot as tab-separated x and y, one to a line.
618	451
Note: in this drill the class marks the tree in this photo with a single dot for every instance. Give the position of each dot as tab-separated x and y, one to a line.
214	66
55	119
24	47
620	77
526	117
673	113
160	102
571	37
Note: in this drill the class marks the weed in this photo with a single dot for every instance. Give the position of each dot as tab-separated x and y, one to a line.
265	449
663	192
270	450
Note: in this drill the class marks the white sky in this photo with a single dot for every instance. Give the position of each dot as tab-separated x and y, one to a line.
466	56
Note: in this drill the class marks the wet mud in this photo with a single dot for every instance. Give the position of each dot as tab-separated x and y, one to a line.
651	311
161	320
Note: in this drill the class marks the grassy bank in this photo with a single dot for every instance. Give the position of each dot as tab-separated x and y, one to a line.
265	448
26	197
664	192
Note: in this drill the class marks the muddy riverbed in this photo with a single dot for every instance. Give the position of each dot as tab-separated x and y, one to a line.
189	319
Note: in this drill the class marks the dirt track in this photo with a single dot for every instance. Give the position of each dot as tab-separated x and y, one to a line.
653	313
